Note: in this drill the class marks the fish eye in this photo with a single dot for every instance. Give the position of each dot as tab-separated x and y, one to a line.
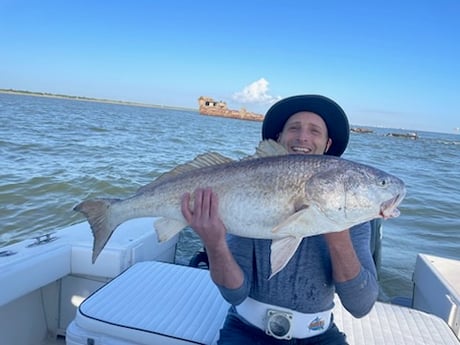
383	182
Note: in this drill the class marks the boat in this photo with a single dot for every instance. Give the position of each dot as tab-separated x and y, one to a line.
208	106
408	135
361	130
135	293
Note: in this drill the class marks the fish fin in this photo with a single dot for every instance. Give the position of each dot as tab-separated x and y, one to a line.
268	148
281	251
287	226
97	211
167	228
200	161
307	221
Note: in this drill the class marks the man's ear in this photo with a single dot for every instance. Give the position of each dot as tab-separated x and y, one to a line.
328	145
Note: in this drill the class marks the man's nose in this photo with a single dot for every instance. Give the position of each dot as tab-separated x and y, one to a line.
304	135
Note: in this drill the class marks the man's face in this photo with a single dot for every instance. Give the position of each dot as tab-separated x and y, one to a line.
305	132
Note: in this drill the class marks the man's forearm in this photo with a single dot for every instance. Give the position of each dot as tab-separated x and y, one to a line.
224	270
345	263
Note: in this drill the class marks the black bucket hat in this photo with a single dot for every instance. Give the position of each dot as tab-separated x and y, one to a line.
332	114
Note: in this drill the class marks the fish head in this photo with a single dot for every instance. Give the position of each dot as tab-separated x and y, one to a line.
354	193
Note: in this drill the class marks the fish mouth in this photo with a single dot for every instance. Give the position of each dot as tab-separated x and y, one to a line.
388	209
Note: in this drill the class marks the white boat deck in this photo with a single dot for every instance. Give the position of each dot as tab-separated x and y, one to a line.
159	303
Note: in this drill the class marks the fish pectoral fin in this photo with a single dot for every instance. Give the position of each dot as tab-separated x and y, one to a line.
167	228
281	251
291	224
306	222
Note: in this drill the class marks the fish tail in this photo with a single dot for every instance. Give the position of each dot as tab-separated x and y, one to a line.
97	212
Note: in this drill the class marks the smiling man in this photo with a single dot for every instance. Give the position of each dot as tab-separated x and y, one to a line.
294	306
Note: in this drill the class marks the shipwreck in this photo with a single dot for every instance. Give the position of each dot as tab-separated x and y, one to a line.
208	106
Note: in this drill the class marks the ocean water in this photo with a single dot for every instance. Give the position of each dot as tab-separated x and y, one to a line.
56	152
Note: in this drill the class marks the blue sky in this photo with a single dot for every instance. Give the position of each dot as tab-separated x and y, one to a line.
388	63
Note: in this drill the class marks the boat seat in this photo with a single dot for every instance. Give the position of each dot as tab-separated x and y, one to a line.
389	324
151	303
158	303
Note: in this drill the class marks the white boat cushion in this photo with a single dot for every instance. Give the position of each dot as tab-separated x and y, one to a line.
154	301
389	324
159	303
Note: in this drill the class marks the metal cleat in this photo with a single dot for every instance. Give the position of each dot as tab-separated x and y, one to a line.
43	239
6	253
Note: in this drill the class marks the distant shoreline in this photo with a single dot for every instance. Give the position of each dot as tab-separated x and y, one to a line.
456	131
90	99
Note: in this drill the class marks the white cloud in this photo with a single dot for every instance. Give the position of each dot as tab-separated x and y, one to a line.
256	92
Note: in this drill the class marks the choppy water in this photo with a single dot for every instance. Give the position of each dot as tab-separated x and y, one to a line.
55	152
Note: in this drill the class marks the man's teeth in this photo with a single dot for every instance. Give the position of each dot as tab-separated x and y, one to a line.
301	149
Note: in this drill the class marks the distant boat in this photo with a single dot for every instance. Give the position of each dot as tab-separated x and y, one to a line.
409	135
361	130
208	106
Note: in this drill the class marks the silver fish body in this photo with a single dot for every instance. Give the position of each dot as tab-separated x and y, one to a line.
283	198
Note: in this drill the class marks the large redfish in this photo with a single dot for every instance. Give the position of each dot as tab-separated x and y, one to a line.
273	195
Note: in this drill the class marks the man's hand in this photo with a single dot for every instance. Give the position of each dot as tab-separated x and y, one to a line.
204	216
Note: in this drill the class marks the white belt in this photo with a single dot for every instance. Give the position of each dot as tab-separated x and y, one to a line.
283	323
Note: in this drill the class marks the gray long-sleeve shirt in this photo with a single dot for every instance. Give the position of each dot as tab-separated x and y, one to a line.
306	283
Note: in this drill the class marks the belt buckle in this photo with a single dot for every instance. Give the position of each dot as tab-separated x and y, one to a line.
279	324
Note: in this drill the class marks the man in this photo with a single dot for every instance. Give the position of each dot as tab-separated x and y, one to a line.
295	305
